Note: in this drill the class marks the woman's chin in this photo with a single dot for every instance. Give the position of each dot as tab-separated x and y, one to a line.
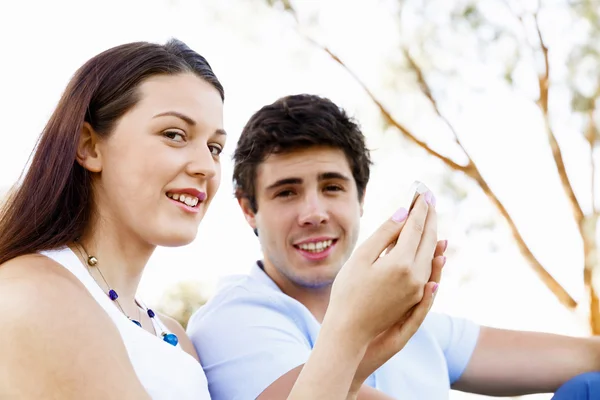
174	239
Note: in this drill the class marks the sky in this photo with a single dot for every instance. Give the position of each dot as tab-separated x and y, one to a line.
262	58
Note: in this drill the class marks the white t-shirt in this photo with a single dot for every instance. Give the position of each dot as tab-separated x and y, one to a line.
250	334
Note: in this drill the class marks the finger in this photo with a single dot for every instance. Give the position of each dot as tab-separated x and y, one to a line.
391	246
436	275
383	237
441	247
392	340
436	269
412	323
410	237
426	249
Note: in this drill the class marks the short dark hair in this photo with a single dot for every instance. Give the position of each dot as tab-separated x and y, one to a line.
99	93
293	123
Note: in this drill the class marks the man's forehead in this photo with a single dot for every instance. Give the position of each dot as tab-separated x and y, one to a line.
304	165
308	156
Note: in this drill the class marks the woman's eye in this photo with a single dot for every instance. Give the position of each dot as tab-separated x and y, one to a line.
215	149
174	136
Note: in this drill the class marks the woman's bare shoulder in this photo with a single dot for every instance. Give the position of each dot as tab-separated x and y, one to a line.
33	267
174	326
56	338
37	290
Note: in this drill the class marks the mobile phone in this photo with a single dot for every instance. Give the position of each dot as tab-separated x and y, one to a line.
416	189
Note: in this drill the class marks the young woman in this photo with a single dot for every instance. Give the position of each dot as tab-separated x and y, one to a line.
128	161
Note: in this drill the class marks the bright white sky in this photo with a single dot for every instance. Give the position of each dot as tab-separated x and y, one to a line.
258	58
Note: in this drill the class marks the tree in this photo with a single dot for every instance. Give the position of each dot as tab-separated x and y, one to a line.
508	39
182	300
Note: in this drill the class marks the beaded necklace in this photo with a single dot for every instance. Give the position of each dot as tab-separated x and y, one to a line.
92	261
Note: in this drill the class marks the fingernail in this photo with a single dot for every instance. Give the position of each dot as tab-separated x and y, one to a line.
445	246
400	215
435	288
430	199
443	261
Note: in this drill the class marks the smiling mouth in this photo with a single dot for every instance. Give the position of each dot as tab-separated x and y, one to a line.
188	200
316	247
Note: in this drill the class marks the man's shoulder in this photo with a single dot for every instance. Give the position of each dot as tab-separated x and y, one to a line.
241	289
239	295
249	333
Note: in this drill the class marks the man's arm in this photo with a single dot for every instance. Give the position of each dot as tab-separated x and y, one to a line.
512	363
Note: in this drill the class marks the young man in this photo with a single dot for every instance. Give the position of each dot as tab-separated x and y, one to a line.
301	170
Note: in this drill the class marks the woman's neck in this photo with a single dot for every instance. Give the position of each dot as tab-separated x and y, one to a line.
121	258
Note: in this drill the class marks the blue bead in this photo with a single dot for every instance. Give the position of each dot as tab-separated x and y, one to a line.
170	338
151	313
136	322
113	295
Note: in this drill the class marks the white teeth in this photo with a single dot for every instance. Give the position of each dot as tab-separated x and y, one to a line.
316	247
190	201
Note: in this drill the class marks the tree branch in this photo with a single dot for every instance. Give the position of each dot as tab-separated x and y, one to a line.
474	173
591	135
556	288
426	90
544	88
521	22
470	170
542	102
386	114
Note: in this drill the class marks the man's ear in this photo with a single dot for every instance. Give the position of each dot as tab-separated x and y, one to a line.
88	153
249	214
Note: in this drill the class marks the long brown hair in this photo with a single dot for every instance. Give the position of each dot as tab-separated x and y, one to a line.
51	205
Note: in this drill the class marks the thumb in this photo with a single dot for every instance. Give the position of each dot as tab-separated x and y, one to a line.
384	236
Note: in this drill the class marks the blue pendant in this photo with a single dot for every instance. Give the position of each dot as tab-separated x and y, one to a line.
136	322
151	313
113	295
170	338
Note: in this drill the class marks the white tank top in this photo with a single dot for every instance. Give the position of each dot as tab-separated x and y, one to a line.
166	371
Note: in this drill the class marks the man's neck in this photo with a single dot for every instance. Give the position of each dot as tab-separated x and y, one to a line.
316	300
